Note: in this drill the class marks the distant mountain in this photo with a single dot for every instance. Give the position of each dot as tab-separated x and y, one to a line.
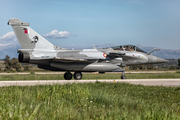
11	50
162	53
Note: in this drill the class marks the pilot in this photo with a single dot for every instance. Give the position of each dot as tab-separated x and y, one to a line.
131	49
126	48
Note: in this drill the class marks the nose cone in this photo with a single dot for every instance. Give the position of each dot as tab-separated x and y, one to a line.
156	60
160	60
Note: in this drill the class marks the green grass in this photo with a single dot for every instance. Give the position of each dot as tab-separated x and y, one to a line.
113	101
90	76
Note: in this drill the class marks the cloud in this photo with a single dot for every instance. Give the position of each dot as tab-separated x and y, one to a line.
8	37
57	35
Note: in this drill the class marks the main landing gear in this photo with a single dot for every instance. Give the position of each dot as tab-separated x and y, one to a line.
78	75
68	75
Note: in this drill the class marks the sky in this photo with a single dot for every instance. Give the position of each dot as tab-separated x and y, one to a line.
82	23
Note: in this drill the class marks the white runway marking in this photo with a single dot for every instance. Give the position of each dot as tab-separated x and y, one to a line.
149	82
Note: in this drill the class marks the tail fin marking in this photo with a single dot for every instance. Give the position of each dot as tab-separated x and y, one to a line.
28	38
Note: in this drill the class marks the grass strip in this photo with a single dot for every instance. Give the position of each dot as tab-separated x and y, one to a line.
90	76
115	101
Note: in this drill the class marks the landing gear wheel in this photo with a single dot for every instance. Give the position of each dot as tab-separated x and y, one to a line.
68	76
123	74
77	75
123	77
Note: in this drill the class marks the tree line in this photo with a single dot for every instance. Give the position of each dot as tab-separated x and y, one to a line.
173	64
13	64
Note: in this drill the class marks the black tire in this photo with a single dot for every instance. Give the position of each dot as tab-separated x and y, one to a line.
123	77
77	75
67	76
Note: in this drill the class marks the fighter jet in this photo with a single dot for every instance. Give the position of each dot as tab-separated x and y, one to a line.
37	50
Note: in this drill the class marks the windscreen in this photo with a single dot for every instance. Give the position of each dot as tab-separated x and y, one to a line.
128	48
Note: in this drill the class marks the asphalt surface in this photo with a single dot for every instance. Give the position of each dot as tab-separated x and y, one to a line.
149	82
24	73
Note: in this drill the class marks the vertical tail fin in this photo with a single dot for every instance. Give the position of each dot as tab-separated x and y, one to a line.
27	37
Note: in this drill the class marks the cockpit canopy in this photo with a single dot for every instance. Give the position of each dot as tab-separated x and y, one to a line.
127	48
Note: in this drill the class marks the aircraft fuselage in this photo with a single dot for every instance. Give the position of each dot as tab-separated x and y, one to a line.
37	50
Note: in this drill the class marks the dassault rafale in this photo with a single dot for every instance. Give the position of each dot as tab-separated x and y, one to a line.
37	50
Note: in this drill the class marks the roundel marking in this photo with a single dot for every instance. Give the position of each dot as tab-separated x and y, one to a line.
105	55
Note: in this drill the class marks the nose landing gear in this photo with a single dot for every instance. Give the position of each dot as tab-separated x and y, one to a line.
123	75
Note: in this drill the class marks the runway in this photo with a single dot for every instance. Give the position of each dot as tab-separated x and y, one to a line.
148	82
132	72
